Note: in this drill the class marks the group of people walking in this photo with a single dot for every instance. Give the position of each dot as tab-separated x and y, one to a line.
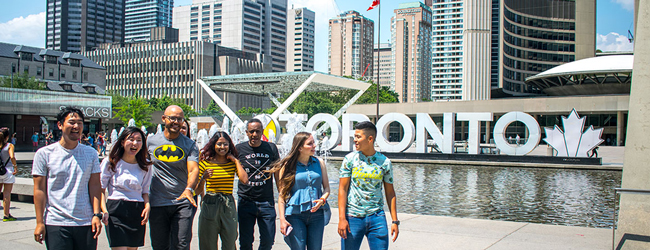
158	179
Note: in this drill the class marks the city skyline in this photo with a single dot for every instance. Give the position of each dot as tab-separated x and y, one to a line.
23	22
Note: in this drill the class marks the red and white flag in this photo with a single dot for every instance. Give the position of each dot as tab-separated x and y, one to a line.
375	3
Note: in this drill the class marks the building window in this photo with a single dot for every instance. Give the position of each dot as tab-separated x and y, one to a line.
26	56
63	73
85	76
13	68
66	87
26	69
51	59
74	75
51	73
74	63
39	71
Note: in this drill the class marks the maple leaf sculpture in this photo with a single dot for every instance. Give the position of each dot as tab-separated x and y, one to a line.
572	142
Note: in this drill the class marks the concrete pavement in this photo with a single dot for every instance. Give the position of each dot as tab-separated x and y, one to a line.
416	232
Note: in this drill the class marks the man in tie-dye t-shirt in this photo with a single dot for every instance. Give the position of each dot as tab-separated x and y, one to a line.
361	202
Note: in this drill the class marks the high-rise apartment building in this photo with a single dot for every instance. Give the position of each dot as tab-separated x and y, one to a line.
411	35
256	26
384	65
81	25
142	15
351	41
447	57
300	39
539	35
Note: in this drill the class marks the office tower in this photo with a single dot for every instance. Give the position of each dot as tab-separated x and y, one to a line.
258	26
157	69
476	50
81	25
142	15
300	39
539	35
384	64
447	55
351	41
411	48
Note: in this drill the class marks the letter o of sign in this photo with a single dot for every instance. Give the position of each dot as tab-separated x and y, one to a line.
500	133
334	124
382	131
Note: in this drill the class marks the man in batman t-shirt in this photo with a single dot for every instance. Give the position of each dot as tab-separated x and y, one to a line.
256	202
175	174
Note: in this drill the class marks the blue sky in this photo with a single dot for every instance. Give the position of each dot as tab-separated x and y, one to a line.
23	22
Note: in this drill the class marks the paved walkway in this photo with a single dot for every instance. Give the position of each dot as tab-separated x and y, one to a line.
417	232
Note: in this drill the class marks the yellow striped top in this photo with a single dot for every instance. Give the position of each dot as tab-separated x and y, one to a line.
223	176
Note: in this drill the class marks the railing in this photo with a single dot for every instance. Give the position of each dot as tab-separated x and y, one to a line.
623	191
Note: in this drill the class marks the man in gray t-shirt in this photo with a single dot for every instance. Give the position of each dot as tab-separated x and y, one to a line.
67	188
175	174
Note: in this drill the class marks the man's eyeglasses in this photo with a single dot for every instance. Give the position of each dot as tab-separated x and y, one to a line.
175	118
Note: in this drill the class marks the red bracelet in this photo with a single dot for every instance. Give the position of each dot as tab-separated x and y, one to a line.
323	199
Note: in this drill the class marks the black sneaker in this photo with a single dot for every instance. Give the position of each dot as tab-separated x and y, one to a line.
9	218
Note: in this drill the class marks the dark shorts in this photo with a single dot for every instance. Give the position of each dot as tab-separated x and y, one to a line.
69	238
124	229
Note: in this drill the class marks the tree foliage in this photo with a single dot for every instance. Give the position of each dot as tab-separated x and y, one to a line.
135	108
22	81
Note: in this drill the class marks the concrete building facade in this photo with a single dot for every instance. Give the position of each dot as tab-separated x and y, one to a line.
351	41
142	15
538	35
258	26
384	65
155	69
411	32
80	25
476	50
301	33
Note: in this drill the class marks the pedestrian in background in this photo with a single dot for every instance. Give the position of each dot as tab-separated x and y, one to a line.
7	180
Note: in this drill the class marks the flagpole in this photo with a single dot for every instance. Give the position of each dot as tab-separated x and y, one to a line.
378	62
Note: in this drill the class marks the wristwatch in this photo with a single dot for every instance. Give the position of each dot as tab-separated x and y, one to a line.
396	222
99	215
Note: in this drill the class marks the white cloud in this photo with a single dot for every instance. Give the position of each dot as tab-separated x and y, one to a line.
28	30
613	42
626	4
324	9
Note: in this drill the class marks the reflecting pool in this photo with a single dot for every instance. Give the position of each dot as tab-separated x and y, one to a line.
550	196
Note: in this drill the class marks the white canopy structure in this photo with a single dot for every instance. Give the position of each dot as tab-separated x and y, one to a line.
283	82
610	74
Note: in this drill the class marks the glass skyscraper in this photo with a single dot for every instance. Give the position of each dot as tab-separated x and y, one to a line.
81	25
142	15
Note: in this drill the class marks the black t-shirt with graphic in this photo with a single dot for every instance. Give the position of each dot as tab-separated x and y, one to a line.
255	161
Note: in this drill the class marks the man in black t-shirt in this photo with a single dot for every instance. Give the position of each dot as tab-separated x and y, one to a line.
256	202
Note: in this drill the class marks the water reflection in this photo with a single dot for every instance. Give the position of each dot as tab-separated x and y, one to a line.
549	196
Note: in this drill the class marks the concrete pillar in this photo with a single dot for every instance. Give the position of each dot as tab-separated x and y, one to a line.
634	214
487	131
620	128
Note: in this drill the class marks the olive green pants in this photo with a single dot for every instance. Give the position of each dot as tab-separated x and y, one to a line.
218	219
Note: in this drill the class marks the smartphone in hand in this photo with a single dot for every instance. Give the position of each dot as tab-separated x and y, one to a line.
288	231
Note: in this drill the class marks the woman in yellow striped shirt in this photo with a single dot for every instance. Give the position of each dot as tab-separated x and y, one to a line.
217	167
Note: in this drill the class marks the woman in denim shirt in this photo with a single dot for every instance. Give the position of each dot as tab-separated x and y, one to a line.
304	189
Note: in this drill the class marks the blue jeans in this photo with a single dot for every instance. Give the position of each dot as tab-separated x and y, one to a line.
372	226
307	230
249	212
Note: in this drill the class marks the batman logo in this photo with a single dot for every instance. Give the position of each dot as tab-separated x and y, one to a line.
169	153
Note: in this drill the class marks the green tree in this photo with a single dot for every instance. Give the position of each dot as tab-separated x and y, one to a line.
160	104
135	108
22	81
248	111
385	95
